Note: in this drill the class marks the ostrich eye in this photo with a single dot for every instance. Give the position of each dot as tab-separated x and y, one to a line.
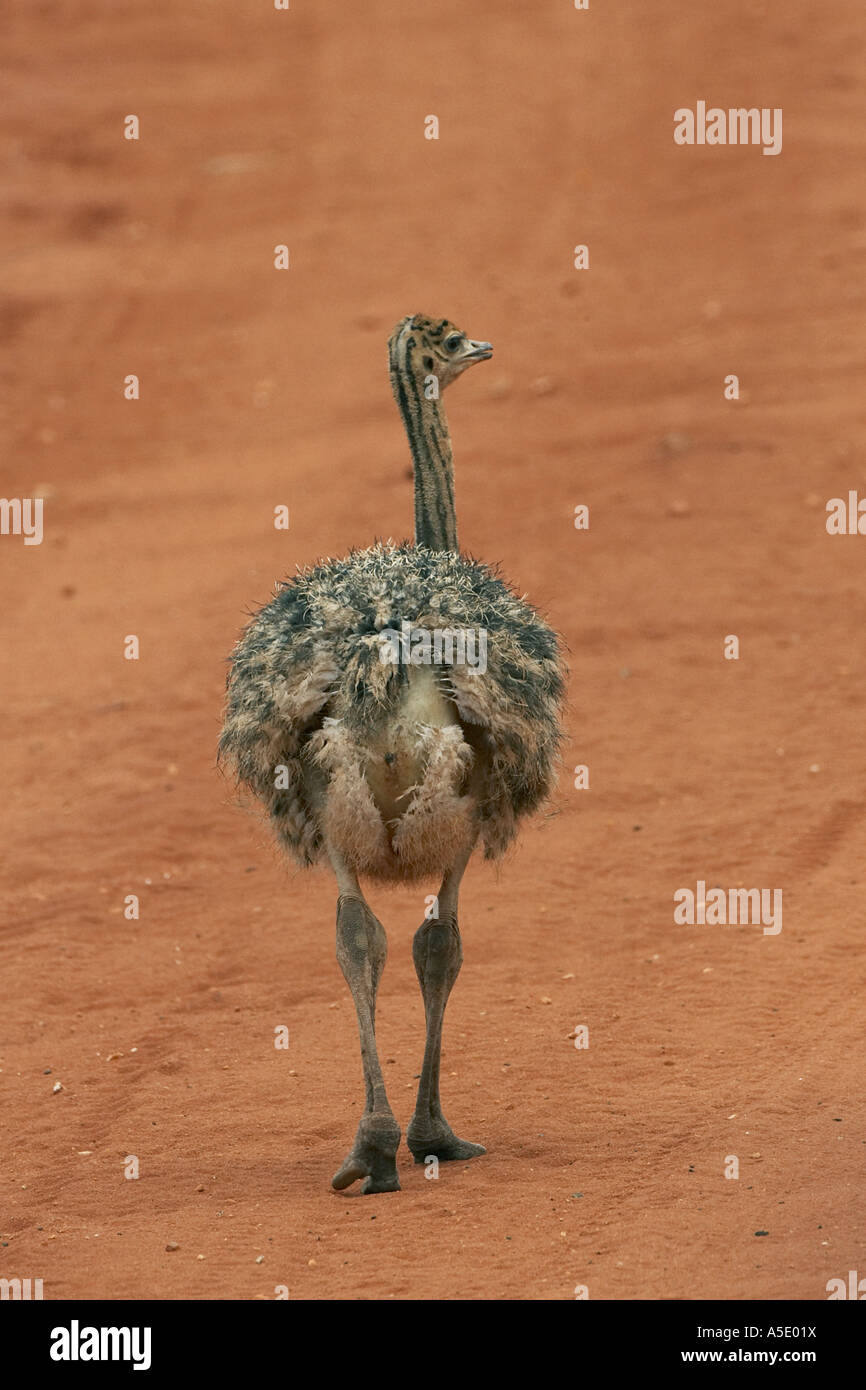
453	343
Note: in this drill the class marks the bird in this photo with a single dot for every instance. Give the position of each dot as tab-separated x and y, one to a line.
393	710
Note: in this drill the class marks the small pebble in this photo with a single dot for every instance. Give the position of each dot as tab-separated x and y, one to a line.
543	385
674	442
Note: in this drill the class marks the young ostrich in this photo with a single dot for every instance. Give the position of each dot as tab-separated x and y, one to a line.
393	769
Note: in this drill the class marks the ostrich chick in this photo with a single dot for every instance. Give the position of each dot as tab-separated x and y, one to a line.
361	713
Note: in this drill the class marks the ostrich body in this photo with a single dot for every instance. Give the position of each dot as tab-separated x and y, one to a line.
389	758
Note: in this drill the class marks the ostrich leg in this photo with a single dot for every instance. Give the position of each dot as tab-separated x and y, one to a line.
362	948
438	954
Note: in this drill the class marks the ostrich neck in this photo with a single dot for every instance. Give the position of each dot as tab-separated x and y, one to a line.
430	443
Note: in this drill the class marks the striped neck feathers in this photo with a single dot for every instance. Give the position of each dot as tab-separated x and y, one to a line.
424	420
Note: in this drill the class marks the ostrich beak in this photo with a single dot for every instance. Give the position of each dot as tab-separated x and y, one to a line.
478	352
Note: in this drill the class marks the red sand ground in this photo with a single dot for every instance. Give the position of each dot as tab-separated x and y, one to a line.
605	1166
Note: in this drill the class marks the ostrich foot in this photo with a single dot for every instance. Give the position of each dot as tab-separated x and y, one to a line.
435	1138
372	1157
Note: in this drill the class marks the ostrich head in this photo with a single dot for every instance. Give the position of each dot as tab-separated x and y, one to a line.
421	347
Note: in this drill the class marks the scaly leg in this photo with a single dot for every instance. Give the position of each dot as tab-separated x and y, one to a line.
362	948
438	955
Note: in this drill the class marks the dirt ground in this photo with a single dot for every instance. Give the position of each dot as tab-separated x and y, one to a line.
258	387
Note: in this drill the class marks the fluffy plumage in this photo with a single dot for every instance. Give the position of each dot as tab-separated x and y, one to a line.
308	693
